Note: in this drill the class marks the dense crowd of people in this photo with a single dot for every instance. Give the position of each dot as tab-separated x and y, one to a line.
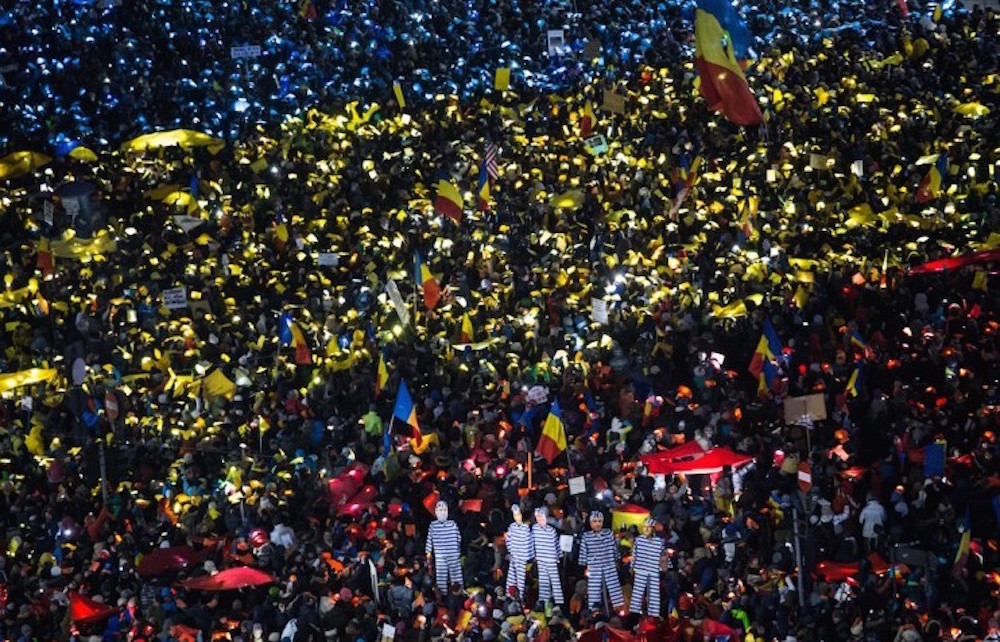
151	453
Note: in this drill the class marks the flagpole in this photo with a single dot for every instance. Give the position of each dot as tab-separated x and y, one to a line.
531	457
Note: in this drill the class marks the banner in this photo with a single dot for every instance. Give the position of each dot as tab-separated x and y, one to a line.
397	302
613	102
175	298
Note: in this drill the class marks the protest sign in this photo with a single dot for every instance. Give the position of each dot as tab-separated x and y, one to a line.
397	302
175	298
246	51
600	311
556	40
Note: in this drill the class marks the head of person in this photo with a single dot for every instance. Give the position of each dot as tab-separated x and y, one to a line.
441	511
516	512
596	520
541	516
648	526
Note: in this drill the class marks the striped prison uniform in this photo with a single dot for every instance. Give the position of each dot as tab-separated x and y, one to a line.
547	553
646	564
521	549
599	554
444	540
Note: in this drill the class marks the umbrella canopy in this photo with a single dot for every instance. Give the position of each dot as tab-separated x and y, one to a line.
711	462
229	579
21	163
956	262
347	484
168	560
184	138
687	450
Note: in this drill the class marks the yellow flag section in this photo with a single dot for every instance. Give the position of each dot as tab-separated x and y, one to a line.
12	380
84	249
501	82
183	138
628	515
217	384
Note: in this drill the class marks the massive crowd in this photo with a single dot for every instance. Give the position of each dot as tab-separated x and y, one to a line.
244	427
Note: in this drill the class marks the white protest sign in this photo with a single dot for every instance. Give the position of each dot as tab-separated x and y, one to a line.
324	259
175	298
596	144
388	631
600	311
48	212
187	223
577	485
858	168
72	208
556	40
566	543
246	51
397	302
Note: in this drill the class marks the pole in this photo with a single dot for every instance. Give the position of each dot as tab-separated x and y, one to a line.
531	456
798	557
104	470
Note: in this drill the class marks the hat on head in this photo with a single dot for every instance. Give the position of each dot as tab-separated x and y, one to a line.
597	516
541	510
515	509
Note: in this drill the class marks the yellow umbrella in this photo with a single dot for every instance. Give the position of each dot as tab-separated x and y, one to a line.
21	163
83	154
570	200
185	138
13	380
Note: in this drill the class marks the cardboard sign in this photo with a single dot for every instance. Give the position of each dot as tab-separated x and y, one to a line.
556	40
327	259
72	207
613	102
388	631
812	406
397	302
48	212
566	543
246	51
175	298
600	311
577	485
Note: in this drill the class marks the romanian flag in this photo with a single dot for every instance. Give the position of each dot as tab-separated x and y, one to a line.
291	335
765	380
381	375
45	262
426	280
406	411
587	120
930	186
768	349
858	342
854	383
483	191
553	439
962	555
719	36
467	334
307	10
449	200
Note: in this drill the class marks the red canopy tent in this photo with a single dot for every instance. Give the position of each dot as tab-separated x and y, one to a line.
710	463
229	579
687	450
956	262
83	610
166	560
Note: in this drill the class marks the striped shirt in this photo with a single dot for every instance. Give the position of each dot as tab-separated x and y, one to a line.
598	549
546	541
647	555
444	540
519	542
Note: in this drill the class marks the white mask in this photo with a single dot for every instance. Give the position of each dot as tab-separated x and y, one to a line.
441	512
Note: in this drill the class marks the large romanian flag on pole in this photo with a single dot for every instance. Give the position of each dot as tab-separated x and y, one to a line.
553	439
720	36
426	281
406	411
449	200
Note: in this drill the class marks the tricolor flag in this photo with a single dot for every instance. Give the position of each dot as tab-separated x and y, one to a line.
381	375
854	383
720	36
962	555
628	515
291	335
930	186
307	10
553	439
45	261
858	342
769	348
449	200
467	334
406	411
587	120
427	282
483	191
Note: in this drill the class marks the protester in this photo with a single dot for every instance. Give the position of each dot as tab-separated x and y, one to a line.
276	437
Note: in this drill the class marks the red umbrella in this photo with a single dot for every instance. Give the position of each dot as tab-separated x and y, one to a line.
167	560
956	262
347	484
711	462
83	610
229	579
687	450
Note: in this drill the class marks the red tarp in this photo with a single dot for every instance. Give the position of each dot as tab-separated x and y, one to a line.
83	610
956	262
687	450
347	484
710	463
166	560
229	579
359	503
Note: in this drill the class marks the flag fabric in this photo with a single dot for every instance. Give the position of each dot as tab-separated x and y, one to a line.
501	82
83	610
767	377
291	334
962	555
905	10
400	99
930	186
426	280
937	13
628	515
490	160
553	439
854	383
381	375
467	334
449	200
307	10
406	411
858	342
45	262
768	349
587	120
719	37
483	191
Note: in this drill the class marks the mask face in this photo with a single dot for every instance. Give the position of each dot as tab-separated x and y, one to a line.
541	520
647	530
441	513
518	517
596	525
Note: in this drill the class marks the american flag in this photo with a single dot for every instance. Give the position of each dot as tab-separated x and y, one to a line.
490	160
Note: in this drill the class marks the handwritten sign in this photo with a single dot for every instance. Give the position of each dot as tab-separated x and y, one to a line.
397	302
600	311
577	485
556	40
175	298
246	51
327	259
